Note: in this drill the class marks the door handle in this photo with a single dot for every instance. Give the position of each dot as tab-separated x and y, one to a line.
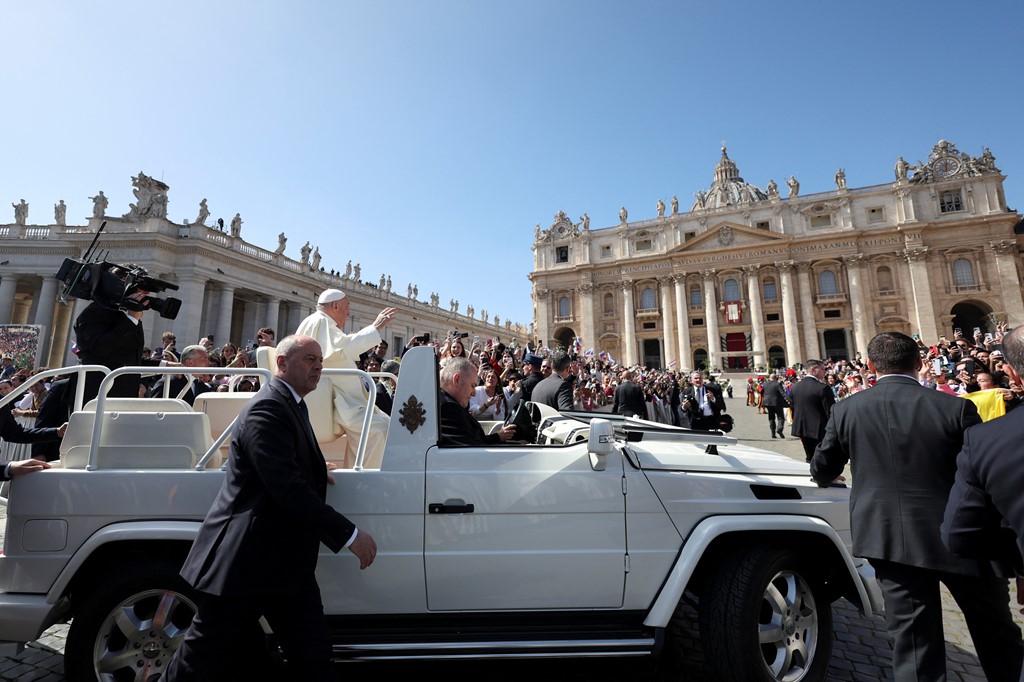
450	507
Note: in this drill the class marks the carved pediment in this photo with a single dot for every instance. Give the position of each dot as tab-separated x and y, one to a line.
727	235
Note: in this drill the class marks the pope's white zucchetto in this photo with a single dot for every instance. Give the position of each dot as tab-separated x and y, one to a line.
330	296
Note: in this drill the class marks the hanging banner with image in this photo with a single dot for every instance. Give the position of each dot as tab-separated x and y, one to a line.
20	342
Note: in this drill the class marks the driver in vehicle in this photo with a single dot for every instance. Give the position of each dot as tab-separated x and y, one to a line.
458	427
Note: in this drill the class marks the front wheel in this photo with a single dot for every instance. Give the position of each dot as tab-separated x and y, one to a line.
765	616
129	626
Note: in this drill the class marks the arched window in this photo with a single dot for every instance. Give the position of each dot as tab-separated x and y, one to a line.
771	292
885	282
731	290
827	283
963	273
609	304
563	306
647	299
695	297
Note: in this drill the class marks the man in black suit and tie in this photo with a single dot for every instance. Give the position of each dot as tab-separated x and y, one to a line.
812	402
458	427
256	552
901	440
703	403
773	398
629	398
989	480
556	390
13	432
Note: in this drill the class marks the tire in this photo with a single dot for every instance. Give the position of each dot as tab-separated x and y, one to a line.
129	625
765	616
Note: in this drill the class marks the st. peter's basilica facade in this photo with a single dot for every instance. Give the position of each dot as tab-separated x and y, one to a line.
749	277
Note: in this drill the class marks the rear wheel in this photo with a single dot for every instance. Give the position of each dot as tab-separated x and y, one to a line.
130	625
765	616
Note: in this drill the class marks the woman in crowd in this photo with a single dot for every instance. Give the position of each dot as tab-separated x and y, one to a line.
489	402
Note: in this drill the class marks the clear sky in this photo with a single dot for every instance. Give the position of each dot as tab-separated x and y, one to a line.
426	139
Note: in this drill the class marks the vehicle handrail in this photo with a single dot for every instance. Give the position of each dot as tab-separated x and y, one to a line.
46	374
108	381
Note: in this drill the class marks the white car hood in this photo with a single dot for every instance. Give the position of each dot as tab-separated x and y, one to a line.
675	456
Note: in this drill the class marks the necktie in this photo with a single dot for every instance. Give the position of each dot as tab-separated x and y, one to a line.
304	411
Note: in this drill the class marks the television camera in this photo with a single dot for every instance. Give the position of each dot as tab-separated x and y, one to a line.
112	285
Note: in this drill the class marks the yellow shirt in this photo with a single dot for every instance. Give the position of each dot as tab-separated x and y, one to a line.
989	402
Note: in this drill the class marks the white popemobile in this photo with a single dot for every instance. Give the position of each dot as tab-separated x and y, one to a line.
585	543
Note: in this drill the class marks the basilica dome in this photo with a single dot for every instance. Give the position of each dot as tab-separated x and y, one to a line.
728	189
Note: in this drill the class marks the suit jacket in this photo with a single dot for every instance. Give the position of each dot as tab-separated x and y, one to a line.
812	404
901	440
554	391
110	338
715	400
774	395
459	428
987	490
13	432
53	411
629	400
528	384
270	515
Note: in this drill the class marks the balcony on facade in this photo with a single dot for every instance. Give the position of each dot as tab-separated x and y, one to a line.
889	293
648	313
824	299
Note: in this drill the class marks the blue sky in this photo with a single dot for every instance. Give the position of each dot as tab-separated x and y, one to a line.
426	139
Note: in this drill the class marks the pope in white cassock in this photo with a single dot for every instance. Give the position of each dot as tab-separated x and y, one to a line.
342	350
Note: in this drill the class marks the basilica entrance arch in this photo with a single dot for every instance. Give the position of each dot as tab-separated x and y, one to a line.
776	357
970	314
564	336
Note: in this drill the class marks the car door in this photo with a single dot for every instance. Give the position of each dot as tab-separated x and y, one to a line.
510	527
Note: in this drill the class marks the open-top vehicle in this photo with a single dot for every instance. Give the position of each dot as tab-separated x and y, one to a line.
586	542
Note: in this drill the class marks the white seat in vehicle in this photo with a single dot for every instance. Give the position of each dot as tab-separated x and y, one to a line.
140	405
221	409
137	440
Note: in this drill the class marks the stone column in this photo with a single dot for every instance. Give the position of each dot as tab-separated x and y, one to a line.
756	315
588	324
271	317
860	311
790	322
192	292
917	259
711	319
682	318
669	346
8	288
812	347
543	316
44	315
1009	282
224	311
630	323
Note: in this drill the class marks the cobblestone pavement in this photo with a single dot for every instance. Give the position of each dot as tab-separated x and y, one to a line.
862	648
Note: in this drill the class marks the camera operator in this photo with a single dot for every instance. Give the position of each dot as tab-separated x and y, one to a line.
113	338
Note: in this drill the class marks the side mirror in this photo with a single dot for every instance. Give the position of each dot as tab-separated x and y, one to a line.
601	443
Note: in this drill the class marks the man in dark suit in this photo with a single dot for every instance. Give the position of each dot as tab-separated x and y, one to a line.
901	440
54	410
556	390
458	427
256	552
192	356
774	400
629	398
531	377
812	402
703	403
13	432
989	480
